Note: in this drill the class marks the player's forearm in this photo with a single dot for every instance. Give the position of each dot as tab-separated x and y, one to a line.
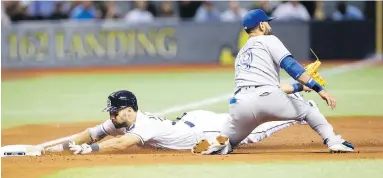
304	78
116	144
292	88
83	137
287	88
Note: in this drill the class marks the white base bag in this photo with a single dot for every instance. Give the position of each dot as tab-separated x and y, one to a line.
21	150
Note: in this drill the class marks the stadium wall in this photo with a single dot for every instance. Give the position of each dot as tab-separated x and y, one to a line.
69	44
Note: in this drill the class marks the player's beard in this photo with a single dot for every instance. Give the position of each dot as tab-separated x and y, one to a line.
268	31
120	125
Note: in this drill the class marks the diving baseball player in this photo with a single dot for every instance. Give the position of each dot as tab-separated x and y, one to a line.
258	97
147	130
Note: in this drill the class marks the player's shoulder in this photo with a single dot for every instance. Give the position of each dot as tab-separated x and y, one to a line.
263	39
146	113
143	119
141	115
268	38
150	117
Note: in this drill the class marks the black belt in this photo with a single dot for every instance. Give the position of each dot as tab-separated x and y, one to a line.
247	87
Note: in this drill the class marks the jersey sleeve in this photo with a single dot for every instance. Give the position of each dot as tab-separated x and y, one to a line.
107	128
277	49
145	130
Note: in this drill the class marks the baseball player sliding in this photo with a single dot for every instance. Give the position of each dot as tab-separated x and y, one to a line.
145	129
258	97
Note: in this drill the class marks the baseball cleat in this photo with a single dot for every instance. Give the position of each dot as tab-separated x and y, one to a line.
201	146
220	145
344	147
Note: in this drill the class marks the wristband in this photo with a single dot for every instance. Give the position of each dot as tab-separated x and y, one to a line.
66	145
314	85
95	147
297	87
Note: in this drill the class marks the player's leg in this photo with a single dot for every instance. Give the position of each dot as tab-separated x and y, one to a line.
299	96
235	128
319	123
266	130
252	107
255	108
335	143
269	128
292	108
206	124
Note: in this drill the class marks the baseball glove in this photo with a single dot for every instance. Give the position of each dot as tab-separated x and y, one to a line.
312	70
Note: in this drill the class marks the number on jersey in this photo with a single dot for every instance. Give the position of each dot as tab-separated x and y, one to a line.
244	60
151	116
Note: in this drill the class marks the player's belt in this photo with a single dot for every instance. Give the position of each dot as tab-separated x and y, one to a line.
245	88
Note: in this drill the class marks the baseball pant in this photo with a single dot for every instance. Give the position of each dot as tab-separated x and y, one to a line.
254	106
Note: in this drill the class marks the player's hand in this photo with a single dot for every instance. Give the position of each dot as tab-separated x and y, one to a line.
328	98
79	149
307	89
56	148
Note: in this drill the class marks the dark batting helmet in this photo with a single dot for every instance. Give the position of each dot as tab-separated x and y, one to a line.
121	99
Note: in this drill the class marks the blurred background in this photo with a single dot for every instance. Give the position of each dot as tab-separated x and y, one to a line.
100	38
131	32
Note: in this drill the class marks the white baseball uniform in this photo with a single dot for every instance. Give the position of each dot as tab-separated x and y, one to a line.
153	131
159	132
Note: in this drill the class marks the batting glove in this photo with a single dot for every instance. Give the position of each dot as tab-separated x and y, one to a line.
80	149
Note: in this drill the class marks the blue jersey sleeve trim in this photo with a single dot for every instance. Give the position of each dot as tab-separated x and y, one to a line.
292	67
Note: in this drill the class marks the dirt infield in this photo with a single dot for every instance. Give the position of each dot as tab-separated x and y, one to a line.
295	143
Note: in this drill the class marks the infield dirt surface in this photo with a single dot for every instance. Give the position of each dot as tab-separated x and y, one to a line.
298	142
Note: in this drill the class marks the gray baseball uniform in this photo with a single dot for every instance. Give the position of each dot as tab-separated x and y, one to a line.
258	97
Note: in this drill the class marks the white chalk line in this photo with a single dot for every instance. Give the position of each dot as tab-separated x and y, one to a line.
329	72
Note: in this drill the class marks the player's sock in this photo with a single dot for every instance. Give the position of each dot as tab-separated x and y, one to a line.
266	130
319	123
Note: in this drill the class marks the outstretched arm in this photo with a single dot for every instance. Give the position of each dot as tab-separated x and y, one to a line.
89	136
114	144
297	72
82	137
293	88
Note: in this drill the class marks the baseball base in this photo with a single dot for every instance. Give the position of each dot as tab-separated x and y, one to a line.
21	150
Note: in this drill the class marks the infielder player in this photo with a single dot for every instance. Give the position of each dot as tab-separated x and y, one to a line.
258	97
146	129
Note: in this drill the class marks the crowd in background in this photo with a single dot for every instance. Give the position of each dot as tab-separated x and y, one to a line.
200	11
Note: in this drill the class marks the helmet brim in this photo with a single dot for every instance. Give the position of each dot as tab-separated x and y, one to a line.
110	109
270	19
